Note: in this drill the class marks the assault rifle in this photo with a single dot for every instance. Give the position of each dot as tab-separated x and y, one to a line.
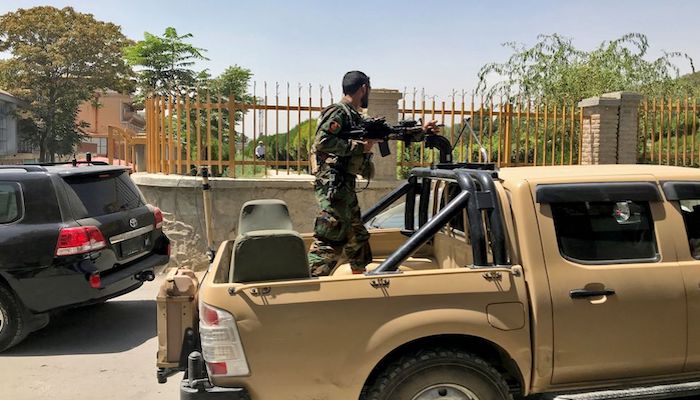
407	131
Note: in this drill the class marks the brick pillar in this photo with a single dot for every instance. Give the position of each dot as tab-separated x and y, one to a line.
628	126
385	103
610	128
599	131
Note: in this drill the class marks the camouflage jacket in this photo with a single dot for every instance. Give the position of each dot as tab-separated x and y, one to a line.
331	149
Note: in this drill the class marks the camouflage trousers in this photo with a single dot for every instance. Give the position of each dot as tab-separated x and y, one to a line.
338	229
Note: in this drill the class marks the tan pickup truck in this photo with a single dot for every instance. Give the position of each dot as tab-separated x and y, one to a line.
500	284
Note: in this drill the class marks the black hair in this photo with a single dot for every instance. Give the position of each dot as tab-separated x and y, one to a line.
353	81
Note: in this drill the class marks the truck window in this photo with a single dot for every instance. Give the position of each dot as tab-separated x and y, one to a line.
690	209
608	232
10	202
459	222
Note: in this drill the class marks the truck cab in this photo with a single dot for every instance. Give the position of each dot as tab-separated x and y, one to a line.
500	284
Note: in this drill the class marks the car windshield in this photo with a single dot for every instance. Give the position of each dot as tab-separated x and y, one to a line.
105	193
393	217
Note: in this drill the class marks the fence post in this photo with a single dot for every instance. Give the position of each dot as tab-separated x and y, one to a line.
599	131
628	126
610	128
385	103
110	145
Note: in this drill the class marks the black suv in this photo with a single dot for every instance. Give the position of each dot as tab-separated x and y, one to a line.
71	234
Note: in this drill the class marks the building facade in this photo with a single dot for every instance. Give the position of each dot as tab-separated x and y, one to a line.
105	109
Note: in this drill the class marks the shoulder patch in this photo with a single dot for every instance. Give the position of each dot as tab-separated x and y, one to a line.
334	127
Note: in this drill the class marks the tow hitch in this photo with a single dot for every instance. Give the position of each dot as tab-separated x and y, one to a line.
145	276
196	384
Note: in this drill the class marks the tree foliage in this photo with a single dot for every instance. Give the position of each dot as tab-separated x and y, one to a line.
165	63
59	58
556	71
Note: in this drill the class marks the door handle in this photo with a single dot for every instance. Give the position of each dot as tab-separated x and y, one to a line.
582	293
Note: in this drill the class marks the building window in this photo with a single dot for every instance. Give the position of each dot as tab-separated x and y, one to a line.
607	232
4	122
126	111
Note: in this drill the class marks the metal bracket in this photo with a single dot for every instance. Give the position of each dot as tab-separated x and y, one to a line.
492	276
380	283
484	201
263	291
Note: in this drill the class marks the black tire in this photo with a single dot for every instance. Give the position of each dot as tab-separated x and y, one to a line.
13	321
434	373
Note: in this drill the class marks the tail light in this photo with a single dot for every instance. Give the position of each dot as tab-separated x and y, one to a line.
79	240
158	217
221	344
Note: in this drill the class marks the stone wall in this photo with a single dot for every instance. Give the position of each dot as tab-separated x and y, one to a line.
180	199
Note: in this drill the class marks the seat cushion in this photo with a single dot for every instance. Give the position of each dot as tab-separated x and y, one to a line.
268	255
264	214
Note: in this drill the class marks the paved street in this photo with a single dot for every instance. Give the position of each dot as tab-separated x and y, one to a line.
102	352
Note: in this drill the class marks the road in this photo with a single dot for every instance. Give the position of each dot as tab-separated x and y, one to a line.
101	352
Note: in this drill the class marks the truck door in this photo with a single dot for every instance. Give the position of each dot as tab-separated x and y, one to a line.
684	198
618	298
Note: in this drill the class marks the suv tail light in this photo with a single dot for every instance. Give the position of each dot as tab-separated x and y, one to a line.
221	344
158	217
78	240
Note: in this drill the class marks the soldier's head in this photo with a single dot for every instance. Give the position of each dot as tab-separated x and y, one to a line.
356	85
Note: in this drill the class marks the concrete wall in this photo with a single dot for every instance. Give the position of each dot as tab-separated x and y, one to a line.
180	198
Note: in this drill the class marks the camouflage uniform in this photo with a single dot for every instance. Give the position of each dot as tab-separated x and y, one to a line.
338	227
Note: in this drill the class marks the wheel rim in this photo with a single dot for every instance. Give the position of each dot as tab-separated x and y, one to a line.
2	318
446	391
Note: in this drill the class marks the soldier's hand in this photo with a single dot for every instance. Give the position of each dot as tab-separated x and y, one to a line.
368	144
431	127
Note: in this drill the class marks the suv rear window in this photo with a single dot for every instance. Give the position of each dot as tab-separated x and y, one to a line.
605	232
104	193
10	202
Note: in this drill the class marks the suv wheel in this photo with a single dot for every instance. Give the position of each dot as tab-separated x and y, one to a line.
439	374
13	327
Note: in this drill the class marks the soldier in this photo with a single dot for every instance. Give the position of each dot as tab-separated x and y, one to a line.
336	162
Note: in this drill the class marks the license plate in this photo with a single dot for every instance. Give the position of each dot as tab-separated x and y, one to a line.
132	246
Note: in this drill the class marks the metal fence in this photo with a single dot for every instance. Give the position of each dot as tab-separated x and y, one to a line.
184	133
668	130
512	133
216	131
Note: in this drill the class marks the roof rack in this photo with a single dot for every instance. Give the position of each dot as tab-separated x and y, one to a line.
26	167
73	162
478	194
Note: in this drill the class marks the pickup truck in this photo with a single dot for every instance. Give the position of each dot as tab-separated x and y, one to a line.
501	284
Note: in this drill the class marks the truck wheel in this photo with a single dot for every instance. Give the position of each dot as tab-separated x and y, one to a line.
12	320
439	374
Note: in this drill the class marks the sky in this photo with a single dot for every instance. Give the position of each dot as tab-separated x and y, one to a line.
434	46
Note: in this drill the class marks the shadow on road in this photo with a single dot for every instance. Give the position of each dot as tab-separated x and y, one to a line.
112	327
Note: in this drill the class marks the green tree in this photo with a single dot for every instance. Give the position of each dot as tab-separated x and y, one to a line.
59	58
164	63
556	71
231	84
